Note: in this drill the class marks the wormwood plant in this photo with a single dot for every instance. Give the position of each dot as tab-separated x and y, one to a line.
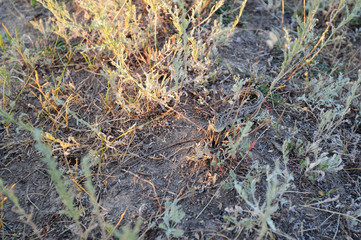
65	192
325	92
300	49
327	97
14	50
5	86
315	159
153	47
219	149
261	211
172	216
238	142
7	192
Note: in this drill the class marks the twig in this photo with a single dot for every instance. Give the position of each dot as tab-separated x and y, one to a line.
209	202
329	211
338	223
149	182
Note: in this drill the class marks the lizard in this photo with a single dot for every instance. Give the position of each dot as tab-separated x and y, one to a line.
225	118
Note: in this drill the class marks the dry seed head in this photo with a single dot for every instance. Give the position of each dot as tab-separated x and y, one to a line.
272	37
271	42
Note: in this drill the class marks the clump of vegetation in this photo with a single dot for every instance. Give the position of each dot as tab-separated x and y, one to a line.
172	216
148	50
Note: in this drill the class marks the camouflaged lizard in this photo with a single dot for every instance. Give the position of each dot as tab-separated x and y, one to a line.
237	112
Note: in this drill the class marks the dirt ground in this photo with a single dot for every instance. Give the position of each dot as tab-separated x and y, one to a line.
161	160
